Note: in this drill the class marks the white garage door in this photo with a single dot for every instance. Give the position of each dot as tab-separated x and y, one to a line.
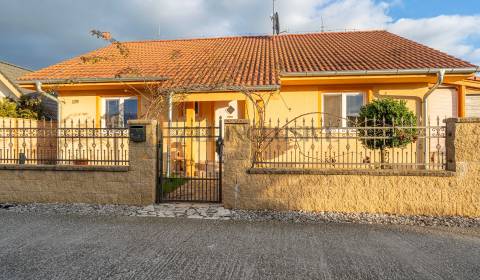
442	104
472	106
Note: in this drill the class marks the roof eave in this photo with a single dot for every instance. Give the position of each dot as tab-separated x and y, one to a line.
92	80
423	71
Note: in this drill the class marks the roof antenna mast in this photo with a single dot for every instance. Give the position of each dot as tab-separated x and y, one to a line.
275	20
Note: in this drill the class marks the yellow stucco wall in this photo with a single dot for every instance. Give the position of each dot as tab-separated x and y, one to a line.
87	105
287	103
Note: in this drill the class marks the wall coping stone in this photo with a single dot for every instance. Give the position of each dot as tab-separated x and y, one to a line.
462	120
384	172
234	121
144	121
40	167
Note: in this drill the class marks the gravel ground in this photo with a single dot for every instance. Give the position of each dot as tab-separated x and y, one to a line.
361	218
212	211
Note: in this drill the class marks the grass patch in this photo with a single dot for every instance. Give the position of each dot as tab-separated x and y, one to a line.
170	184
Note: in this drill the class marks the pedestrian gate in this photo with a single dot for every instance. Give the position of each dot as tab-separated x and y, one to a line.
190	162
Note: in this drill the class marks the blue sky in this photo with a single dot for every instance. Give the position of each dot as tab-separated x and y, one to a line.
431	8
36	33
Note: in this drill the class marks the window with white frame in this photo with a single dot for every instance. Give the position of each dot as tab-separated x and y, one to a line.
116	111
341	109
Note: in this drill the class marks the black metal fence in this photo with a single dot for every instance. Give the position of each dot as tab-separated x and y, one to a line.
61	143
350	144
190	161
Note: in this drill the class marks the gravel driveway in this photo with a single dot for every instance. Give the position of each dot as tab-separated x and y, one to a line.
41	246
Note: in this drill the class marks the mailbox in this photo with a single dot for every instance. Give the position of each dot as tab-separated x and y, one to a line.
138	133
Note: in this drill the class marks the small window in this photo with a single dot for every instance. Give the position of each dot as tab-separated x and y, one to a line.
338	108
117	111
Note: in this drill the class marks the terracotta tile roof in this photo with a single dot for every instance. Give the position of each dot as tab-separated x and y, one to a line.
254	60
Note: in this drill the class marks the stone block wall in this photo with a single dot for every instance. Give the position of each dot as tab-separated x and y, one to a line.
453	192
134	184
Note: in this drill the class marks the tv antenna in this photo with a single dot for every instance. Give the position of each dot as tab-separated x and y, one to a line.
322	28
275	20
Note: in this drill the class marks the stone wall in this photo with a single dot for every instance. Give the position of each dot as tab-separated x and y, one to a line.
455	191
134	184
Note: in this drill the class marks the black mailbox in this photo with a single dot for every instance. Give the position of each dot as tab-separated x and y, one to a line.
138	133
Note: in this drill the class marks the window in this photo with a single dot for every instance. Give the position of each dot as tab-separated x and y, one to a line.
117	111
339	108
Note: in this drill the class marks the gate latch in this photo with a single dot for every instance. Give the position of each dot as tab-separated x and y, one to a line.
219	146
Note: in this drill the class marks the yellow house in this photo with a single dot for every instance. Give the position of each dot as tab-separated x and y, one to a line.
296	74
288	75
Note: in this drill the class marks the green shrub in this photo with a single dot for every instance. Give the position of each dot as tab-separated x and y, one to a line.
8	109
390	113
26	108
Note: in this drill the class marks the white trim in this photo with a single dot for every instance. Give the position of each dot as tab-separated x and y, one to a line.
344	103
121	103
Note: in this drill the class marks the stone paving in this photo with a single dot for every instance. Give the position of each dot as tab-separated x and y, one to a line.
172	210
186	210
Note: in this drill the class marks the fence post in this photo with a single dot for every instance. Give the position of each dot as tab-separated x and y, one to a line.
143	160
462	142
237	159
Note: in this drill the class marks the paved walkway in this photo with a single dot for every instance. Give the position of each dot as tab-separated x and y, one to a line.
186	210
53	246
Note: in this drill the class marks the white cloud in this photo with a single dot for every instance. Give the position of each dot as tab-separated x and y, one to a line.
39	41
451	34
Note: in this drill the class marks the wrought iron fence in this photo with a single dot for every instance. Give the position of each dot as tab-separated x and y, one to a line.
350	144
61	143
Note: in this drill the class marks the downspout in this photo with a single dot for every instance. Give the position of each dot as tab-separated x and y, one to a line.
38	88
440	79
170	117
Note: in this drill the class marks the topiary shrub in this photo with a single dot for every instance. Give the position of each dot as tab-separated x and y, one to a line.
400	123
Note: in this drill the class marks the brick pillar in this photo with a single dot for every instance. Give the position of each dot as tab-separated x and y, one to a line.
462	144
143	163
237	159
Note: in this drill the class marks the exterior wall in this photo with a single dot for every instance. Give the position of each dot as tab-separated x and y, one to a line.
78	108
293	101
287	103
86	105
134	184
453	192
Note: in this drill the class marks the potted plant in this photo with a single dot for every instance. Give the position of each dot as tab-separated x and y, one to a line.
80	161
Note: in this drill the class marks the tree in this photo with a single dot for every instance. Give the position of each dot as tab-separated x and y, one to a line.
386	123
8	108
26	108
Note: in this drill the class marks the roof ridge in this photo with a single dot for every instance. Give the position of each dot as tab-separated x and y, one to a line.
16	66
252	36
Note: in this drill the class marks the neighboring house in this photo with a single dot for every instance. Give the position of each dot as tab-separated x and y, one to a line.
9	88
8	84
321	72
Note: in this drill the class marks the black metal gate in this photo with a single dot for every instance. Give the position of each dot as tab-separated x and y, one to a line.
190	162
